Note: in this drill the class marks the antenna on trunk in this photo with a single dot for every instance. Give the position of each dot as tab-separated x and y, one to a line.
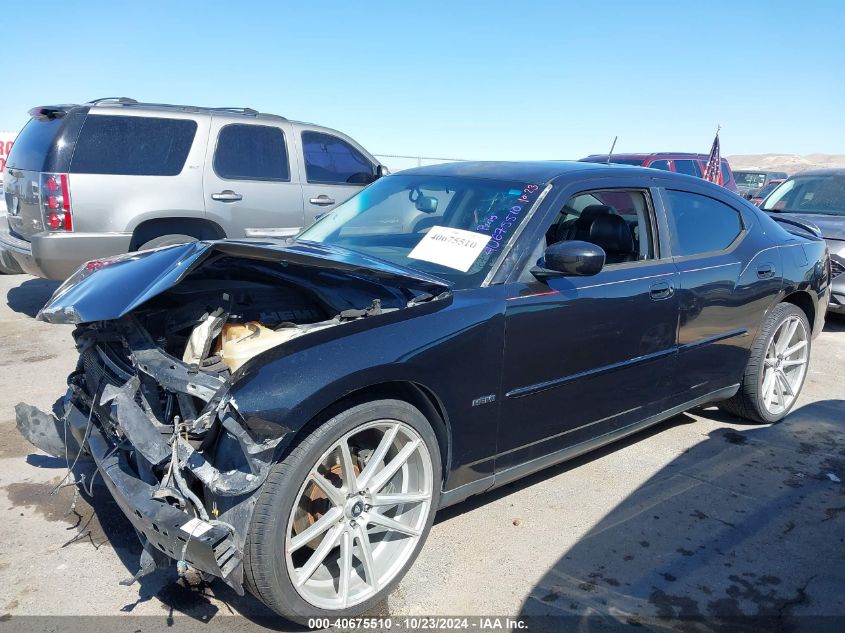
610	153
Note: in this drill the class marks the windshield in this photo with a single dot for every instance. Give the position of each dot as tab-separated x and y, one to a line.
823	195
449	226
749	179
765	191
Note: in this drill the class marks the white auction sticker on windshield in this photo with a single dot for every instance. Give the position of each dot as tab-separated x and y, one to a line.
454	248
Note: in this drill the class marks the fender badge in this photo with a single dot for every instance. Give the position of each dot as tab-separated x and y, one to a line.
484	400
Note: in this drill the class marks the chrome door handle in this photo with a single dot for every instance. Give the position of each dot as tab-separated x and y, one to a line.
661	290
227	196
322	200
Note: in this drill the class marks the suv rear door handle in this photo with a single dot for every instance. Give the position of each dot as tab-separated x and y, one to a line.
322	200
764	271
227	196
661	290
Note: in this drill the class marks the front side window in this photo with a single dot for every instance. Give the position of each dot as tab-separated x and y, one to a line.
132	146
701	224
618	220
822	195
451	226
331	160
251	152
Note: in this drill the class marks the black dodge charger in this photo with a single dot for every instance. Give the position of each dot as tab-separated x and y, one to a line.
289	417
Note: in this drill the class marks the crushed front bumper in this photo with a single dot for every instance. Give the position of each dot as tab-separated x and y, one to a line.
173	532
188	488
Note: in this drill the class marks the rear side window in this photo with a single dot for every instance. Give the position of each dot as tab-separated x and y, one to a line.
660	164
689	167
33	144
330	160
132	146
251	152
702	224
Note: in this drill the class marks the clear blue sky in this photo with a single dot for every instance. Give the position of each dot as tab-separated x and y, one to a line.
478	80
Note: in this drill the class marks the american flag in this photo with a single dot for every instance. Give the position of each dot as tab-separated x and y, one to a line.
713	170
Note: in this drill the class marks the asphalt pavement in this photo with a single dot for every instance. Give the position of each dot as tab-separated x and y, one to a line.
702	516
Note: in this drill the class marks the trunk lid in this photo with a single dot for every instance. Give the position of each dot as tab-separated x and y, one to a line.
103	290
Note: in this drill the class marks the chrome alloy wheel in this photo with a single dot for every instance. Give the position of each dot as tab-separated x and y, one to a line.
359	514
785	365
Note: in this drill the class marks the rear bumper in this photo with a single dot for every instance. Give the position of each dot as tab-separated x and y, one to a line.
58	255
171	531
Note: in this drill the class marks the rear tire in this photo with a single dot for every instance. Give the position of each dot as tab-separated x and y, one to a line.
167	240
356	524
777	368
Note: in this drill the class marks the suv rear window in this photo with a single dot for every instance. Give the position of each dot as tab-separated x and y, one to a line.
251	152
33	144
132	146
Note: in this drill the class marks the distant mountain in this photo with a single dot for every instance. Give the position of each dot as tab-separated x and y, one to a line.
790	163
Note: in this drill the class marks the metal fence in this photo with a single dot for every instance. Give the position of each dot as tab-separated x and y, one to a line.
396	162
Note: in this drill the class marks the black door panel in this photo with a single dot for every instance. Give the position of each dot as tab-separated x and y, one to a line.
584	356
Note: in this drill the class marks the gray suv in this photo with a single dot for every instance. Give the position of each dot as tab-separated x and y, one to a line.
115	175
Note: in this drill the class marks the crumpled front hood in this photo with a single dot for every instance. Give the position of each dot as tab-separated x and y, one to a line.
107	289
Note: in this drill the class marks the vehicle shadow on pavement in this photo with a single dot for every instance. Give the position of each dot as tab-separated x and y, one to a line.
30	296
744	531
834	322
485	498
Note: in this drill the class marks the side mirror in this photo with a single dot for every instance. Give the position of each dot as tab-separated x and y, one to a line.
571	258
382	171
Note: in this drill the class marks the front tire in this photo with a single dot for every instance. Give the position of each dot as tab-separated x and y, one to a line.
776	369
343	516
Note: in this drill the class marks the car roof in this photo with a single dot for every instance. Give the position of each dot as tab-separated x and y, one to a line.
126	105
828	171
643	156
530	171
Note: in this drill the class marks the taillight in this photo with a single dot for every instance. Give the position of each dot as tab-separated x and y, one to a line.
55	202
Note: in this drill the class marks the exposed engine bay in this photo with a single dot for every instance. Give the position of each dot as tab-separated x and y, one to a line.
149	399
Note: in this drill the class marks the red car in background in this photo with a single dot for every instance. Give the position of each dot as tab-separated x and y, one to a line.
679	162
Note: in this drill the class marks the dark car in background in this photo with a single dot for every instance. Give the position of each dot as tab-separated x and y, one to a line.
761	195
749	183
817	196
678	162
290	418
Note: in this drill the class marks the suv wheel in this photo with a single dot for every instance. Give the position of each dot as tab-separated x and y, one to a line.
341	519
167	240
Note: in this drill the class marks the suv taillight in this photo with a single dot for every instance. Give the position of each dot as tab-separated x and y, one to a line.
55	202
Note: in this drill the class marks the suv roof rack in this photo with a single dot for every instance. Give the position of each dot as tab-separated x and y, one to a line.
126	101
121	100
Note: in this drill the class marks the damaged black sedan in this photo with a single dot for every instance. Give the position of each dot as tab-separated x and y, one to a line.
288	418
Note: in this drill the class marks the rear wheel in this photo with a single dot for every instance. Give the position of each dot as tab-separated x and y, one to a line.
777	368
341	519
167	240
